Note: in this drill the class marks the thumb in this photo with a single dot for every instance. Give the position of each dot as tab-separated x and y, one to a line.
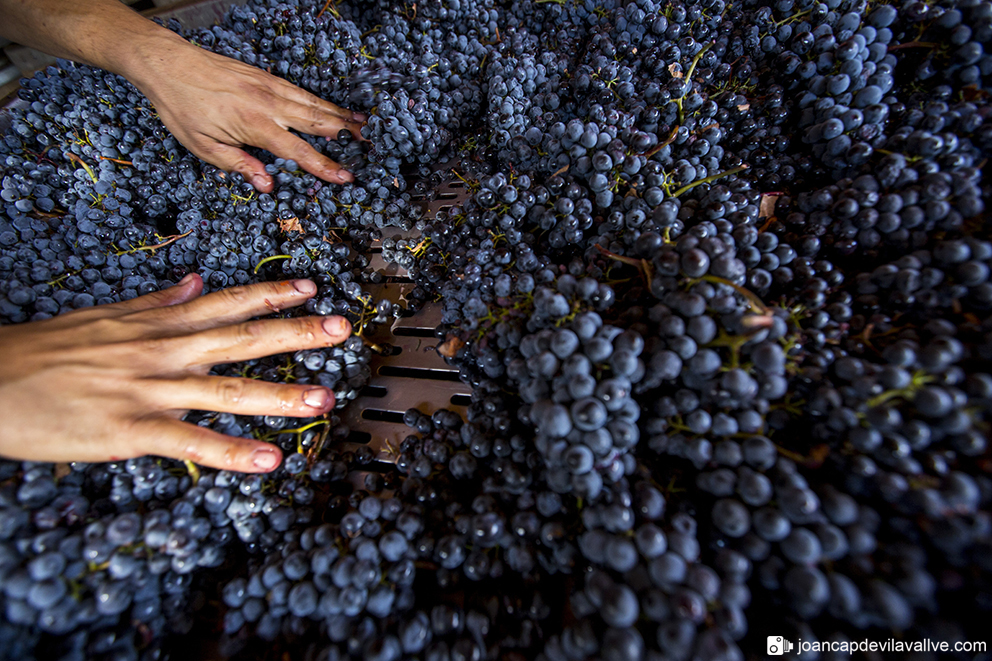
184	291
235	159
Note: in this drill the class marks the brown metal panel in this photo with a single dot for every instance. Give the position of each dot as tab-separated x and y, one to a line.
414	375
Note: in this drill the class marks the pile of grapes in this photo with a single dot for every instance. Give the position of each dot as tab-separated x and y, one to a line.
721	289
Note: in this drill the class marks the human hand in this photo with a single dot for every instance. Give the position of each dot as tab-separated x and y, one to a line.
215	105
112	382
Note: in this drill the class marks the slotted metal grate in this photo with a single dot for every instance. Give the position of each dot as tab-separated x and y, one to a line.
413	375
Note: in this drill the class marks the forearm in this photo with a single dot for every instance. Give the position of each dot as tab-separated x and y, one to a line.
103	33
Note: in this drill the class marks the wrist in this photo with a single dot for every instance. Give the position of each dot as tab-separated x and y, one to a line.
150	57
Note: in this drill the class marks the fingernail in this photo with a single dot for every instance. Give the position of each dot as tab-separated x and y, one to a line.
259	181
342	177
304	286
359	116
335	326
317	397
265	459
188	278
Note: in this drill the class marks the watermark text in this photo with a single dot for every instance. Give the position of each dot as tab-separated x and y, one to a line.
779	645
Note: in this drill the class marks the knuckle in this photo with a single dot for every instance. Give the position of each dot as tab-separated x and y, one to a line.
224	156
162	438
236	296
278	289
211	151
190	450
290	399
255	124
130	427
151	346
251	332
231	392
307	328
263	96
104	328
302	152
233	455
170	442
317	116
210	148
241	165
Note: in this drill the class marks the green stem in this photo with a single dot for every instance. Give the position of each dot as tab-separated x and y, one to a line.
792	18
300	430
86	167
688	77
756	303
271	259
194	472
631	261
914	44
695	60
712	177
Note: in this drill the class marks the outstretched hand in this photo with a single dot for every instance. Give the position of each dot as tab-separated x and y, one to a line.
112	382
216	105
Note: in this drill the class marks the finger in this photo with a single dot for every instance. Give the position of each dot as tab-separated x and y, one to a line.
314	120
237	304
286	145
262	337
235	159
184	291
166	437
301	96
242	396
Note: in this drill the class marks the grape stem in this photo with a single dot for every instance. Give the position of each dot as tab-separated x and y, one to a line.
712	177
116	160
641	264
327	5
914	44
82	163
793	18
271	259
661	145
756	303
194	471
688	76
919	379
171	239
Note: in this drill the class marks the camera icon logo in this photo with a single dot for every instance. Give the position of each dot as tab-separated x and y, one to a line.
777	646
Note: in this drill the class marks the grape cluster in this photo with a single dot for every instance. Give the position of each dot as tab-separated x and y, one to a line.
721	287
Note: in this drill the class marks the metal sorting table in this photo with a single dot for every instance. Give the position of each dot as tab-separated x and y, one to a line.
414	374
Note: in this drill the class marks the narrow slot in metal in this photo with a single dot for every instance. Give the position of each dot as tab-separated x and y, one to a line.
358	437
411	331
380	467
417	373
461	400
373	391
382	416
